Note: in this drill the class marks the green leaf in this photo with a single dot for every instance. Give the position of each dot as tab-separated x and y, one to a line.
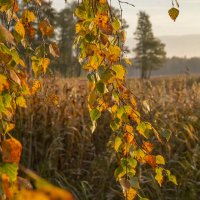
143	129
100	87
132	162
7	100
119	172
90	37
166	134
120	112
10	169
134	182
107	76
118	142
95	114
115	124
80	12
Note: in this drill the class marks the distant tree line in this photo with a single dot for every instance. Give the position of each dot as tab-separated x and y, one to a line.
171	66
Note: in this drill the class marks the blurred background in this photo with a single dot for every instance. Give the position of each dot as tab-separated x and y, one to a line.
55	128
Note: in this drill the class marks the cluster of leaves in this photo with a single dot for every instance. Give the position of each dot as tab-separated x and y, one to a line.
100	39
18	29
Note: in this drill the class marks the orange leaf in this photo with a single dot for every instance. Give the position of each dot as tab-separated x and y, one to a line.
151	160
128	137
11	150
102	21
46	28
6	186
147	146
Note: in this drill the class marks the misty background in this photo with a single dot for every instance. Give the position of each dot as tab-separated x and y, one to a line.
181	38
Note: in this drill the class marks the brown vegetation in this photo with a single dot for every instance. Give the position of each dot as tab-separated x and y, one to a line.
57	141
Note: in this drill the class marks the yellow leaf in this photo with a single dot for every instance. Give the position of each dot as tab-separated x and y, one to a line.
11	150
129	128
159	178
49	190
119	70
9	127
78	27
133	101
128	61
19	28
159	175
160	160
36	86
3	83
28	16
45	63
173	13
46	28
130	194
21	62
139	155
21	102
114	108
39	65
113	53
118	142
172	178
31	195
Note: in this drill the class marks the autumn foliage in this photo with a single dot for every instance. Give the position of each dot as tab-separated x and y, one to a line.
100	39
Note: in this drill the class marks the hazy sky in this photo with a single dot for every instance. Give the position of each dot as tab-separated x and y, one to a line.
188	21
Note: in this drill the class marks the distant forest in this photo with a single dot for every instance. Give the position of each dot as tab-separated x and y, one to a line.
172	66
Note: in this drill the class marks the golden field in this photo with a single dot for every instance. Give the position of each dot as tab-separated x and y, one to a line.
58	144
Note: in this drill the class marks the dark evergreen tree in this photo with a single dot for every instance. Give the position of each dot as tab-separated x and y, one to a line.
150	53
67	64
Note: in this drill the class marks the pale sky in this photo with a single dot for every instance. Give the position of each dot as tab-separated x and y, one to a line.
188	21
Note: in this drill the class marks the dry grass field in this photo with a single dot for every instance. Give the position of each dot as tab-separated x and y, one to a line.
58	145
